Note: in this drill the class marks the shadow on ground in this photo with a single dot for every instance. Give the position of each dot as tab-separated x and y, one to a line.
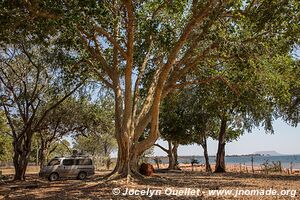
95	188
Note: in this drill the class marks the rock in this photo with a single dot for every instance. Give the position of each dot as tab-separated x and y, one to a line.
146	169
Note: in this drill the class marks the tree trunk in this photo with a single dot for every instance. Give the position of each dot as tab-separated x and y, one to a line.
42	157
22	148
171	156
20	164
129	128
128	156
127	162
175	155
220	162
108	162
207	164
42	153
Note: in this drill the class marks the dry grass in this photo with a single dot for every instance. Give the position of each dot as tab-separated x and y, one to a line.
11	170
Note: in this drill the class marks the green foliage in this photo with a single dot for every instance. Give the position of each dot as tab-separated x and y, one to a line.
174	120
96	145
71	117
6	150
290	109
60	148
245	44
32	82
99	139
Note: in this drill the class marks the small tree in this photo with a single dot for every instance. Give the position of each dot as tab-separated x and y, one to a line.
99	140
71	117
174	124
157	161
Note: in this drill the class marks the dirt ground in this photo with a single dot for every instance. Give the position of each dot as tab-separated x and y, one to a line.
180	184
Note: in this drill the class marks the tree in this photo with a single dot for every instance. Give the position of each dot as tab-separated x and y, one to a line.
174	123
202	124
71	117
251	101
162	41
99	141
98	146
204	112
30	84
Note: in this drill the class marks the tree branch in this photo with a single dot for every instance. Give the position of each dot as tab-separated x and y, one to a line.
137	82
55	105
162	148
101	31
10	122
97	56
194	82
129	66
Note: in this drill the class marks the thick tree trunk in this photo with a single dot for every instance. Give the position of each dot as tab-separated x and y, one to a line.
220	162
128	153
22	148
205	152
130	126
20	164
127	163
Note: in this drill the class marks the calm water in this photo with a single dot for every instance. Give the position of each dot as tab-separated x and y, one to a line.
257	160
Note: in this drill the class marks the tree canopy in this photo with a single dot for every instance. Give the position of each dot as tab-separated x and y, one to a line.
144	50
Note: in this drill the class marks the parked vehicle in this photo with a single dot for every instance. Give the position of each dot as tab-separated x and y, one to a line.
68	167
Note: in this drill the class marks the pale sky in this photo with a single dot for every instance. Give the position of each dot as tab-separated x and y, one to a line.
285	140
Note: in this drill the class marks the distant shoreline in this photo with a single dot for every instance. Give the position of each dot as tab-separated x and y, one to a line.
286	161
233	155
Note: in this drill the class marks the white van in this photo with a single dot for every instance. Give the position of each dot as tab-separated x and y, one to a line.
68	167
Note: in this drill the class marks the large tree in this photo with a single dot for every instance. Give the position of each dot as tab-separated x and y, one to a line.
126	41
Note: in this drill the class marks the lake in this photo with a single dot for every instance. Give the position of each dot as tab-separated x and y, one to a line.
257	160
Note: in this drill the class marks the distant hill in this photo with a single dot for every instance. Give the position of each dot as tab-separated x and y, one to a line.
270	153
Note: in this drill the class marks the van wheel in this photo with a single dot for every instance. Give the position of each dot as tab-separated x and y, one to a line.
81	175
53	177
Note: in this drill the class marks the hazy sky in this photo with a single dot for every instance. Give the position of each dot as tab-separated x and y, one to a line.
285	140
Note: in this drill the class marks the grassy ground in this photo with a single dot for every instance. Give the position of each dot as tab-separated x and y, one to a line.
96	188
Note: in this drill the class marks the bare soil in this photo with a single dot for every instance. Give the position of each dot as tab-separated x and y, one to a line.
97	188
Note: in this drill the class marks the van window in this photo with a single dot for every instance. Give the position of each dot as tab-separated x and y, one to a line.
68	162
54	162
84	162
